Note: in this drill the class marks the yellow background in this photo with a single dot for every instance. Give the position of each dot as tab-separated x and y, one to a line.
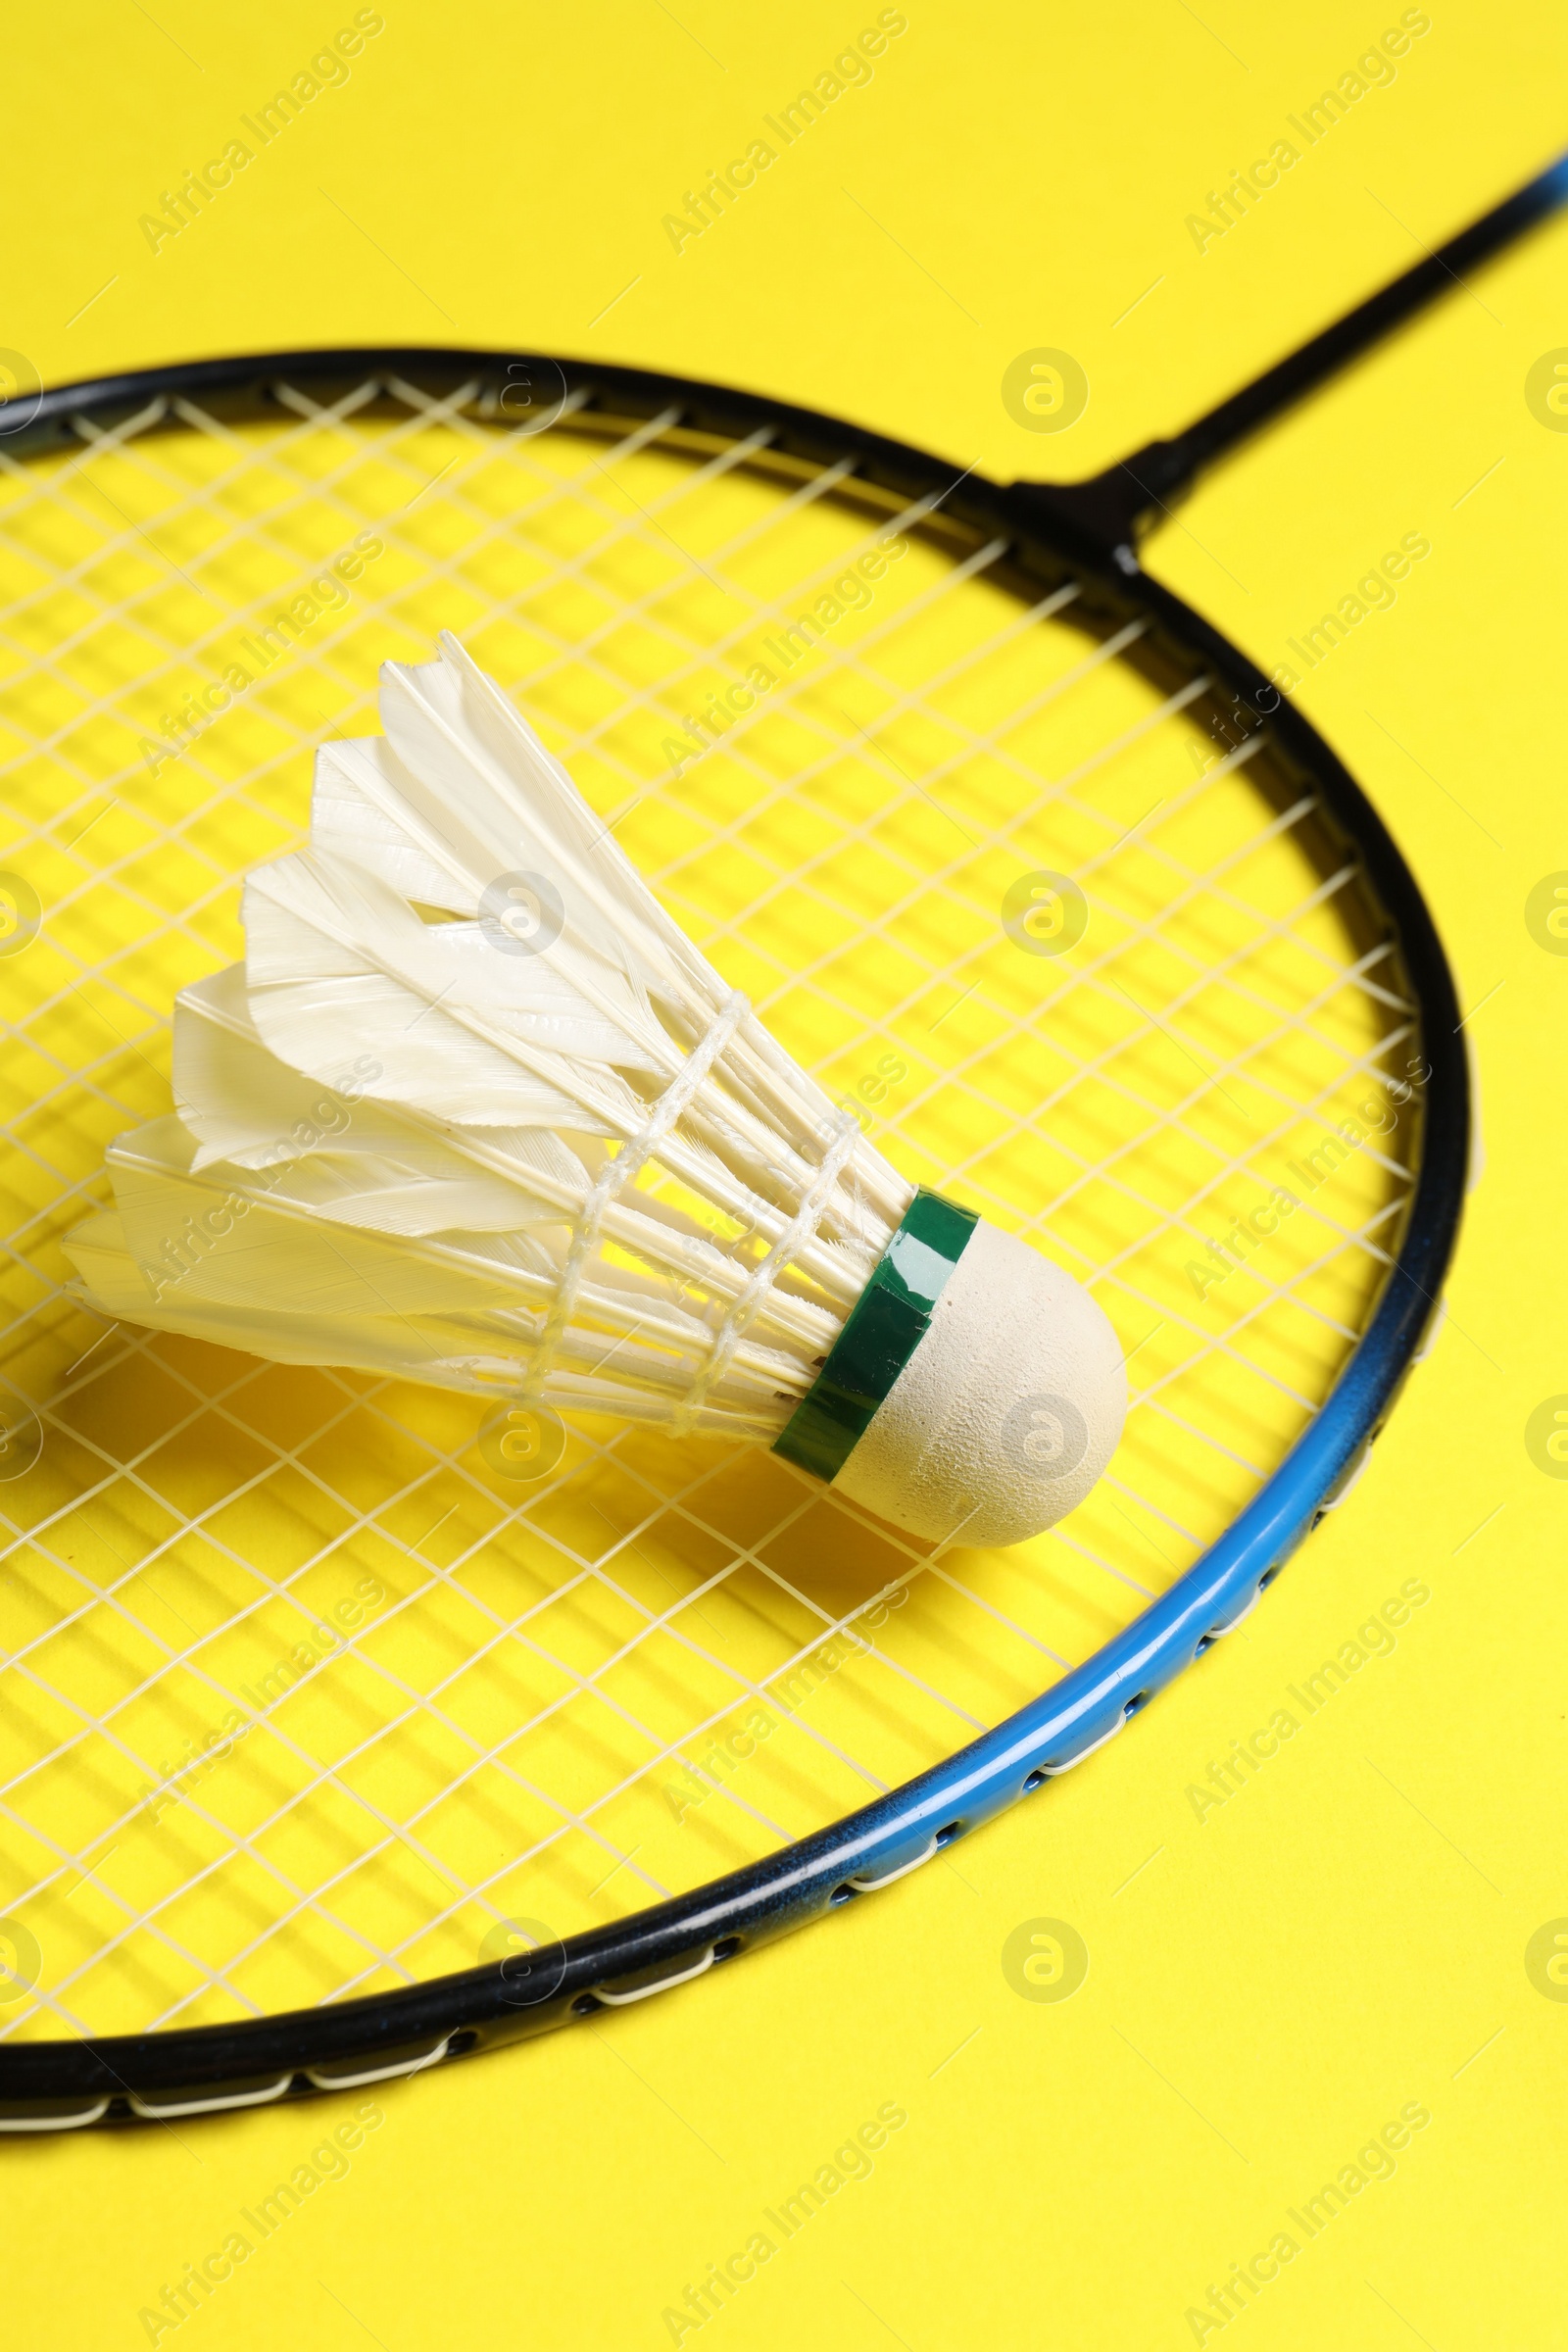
1267	1986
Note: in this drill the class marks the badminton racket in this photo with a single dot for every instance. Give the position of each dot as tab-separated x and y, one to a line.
343	1733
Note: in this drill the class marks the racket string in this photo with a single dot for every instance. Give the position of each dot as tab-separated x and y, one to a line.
394	1831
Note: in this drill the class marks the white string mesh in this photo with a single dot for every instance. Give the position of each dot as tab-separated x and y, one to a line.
301	1694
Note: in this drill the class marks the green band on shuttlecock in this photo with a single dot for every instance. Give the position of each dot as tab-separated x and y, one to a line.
886	1325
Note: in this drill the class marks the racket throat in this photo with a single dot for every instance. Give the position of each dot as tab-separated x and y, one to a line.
1101	519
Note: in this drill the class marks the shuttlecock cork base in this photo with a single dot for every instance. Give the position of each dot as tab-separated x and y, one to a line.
976	1391
475	1111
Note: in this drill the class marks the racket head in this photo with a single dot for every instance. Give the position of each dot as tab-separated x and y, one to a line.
1005	698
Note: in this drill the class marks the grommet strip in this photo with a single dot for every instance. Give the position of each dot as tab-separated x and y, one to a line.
899	1870
640	1992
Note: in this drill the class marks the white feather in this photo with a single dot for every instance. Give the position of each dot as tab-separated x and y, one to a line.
357	786
340	970
391	1126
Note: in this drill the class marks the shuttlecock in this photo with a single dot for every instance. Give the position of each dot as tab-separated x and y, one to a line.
475	1111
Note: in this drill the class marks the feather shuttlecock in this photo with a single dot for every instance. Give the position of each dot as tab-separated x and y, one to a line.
475	1111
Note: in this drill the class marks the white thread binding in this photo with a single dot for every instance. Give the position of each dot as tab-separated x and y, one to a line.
626	1165
738	1315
